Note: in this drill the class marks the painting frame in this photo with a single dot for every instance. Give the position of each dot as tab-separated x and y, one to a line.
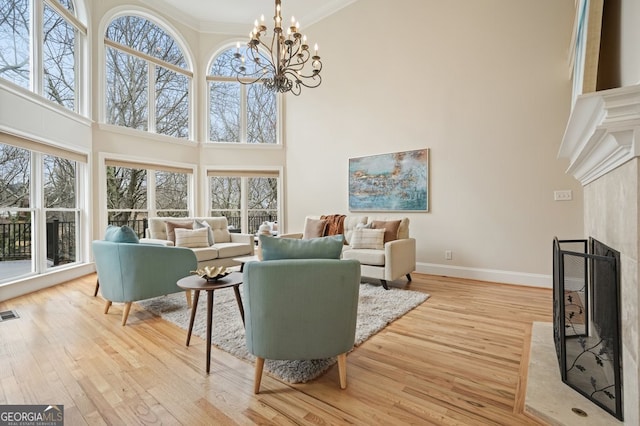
391	182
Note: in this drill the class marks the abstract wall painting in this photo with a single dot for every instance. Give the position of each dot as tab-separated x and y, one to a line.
390	182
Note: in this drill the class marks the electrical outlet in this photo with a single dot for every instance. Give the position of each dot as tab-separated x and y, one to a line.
448	255
563	195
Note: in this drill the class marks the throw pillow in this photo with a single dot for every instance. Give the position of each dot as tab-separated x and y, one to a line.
314	228
192	238
198	224
390	227
171	226
121	234
274	248
364	238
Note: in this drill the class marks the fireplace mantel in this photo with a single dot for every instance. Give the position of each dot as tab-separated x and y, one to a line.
603	132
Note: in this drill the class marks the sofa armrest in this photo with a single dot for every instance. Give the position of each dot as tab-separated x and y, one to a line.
400	258
157	242
297	235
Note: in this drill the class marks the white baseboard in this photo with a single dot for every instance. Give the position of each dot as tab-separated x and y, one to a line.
38	282
491	275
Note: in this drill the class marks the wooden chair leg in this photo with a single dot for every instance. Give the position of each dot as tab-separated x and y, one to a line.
125	312
409	277
342	370
257	378
107	305
95	292
188	294
384	284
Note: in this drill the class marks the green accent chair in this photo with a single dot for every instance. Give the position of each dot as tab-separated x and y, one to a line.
299	309
128	272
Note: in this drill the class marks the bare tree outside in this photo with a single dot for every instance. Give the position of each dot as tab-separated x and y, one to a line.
126	194
15	176
172	193
128	85
226	103
59	59
58	73
15	60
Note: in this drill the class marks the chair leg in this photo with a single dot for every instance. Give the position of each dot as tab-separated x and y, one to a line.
342	370
384	284
125	312
409	277
257	378
107	305
95	292
188	295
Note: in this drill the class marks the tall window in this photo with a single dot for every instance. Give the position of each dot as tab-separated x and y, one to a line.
147	78
239	113
29	217
134	194
54	70
246	199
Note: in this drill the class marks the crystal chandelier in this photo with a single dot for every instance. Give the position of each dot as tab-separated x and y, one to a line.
283	62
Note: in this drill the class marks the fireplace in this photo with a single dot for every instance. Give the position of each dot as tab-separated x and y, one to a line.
586	320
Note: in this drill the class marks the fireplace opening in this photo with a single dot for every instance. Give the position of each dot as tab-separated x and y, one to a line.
586	320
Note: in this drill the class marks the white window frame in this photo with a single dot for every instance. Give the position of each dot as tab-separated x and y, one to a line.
152	62
243	104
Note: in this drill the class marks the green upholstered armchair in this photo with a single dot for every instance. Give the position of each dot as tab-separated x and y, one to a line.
128	272
301	309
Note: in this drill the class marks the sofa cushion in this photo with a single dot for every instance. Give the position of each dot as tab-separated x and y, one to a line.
390	228
364	238
220	228
365	256
290	248
226	250
205	253
171	226
350	223
199	223
192	238
120	234
314	228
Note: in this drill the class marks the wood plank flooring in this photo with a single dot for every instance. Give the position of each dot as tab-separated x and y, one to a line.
458	359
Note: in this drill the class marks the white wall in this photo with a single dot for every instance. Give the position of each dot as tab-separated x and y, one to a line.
630	40
485	86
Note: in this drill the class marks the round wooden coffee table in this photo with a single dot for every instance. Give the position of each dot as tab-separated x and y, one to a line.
197	284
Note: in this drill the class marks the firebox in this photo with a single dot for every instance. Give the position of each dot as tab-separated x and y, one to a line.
586	320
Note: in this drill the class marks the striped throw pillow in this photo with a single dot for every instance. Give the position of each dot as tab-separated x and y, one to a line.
364	238
192	238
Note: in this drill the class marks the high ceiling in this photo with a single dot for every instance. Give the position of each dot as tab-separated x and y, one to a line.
237	16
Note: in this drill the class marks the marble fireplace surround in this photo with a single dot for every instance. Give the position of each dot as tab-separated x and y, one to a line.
602	143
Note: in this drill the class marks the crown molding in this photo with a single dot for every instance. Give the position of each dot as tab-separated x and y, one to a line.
603	133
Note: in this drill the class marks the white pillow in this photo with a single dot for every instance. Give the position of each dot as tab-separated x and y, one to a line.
192	238
364	238
197	224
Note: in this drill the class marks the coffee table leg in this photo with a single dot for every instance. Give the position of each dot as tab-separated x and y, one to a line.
209	321
193	314
236	290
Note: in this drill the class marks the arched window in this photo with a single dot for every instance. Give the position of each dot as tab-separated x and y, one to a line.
238	112
52	68
147	78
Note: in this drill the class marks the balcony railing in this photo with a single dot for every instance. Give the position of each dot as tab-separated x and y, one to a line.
15	241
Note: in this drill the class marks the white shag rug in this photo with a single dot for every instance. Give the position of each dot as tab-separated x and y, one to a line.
377	307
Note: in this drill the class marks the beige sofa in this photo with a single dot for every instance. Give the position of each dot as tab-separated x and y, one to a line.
226	245
395	259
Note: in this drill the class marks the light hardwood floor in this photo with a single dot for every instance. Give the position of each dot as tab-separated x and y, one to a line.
458	359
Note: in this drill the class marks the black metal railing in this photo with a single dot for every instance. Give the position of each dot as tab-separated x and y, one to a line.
61	242
138	225
255	220
15	241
